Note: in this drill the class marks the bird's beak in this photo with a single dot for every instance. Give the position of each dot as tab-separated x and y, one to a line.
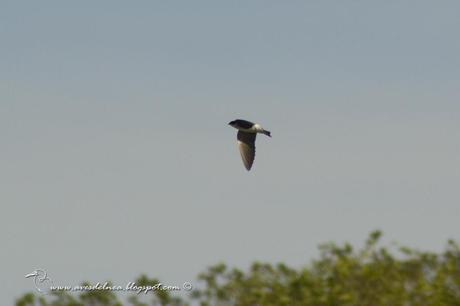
31	274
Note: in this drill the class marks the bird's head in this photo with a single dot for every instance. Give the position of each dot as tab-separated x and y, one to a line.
39	274
35	273
232	123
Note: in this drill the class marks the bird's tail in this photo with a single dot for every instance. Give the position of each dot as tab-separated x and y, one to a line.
267	133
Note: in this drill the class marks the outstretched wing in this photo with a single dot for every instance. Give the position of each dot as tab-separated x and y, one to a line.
247	147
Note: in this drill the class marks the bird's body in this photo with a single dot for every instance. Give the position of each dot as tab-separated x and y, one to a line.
247	132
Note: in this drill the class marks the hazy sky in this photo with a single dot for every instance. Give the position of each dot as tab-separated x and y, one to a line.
117	158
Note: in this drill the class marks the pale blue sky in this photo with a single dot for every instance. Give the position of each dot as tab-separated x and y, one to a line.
117	159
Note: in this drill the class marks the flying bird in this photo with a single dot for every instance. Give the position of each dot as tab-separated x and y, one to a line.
246	136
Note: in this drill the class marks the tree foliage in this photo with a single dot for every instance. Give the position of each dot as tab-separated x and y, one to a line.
371	276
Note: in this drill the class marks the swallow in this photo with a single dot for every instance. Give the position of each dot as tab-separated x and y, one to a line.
247	132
